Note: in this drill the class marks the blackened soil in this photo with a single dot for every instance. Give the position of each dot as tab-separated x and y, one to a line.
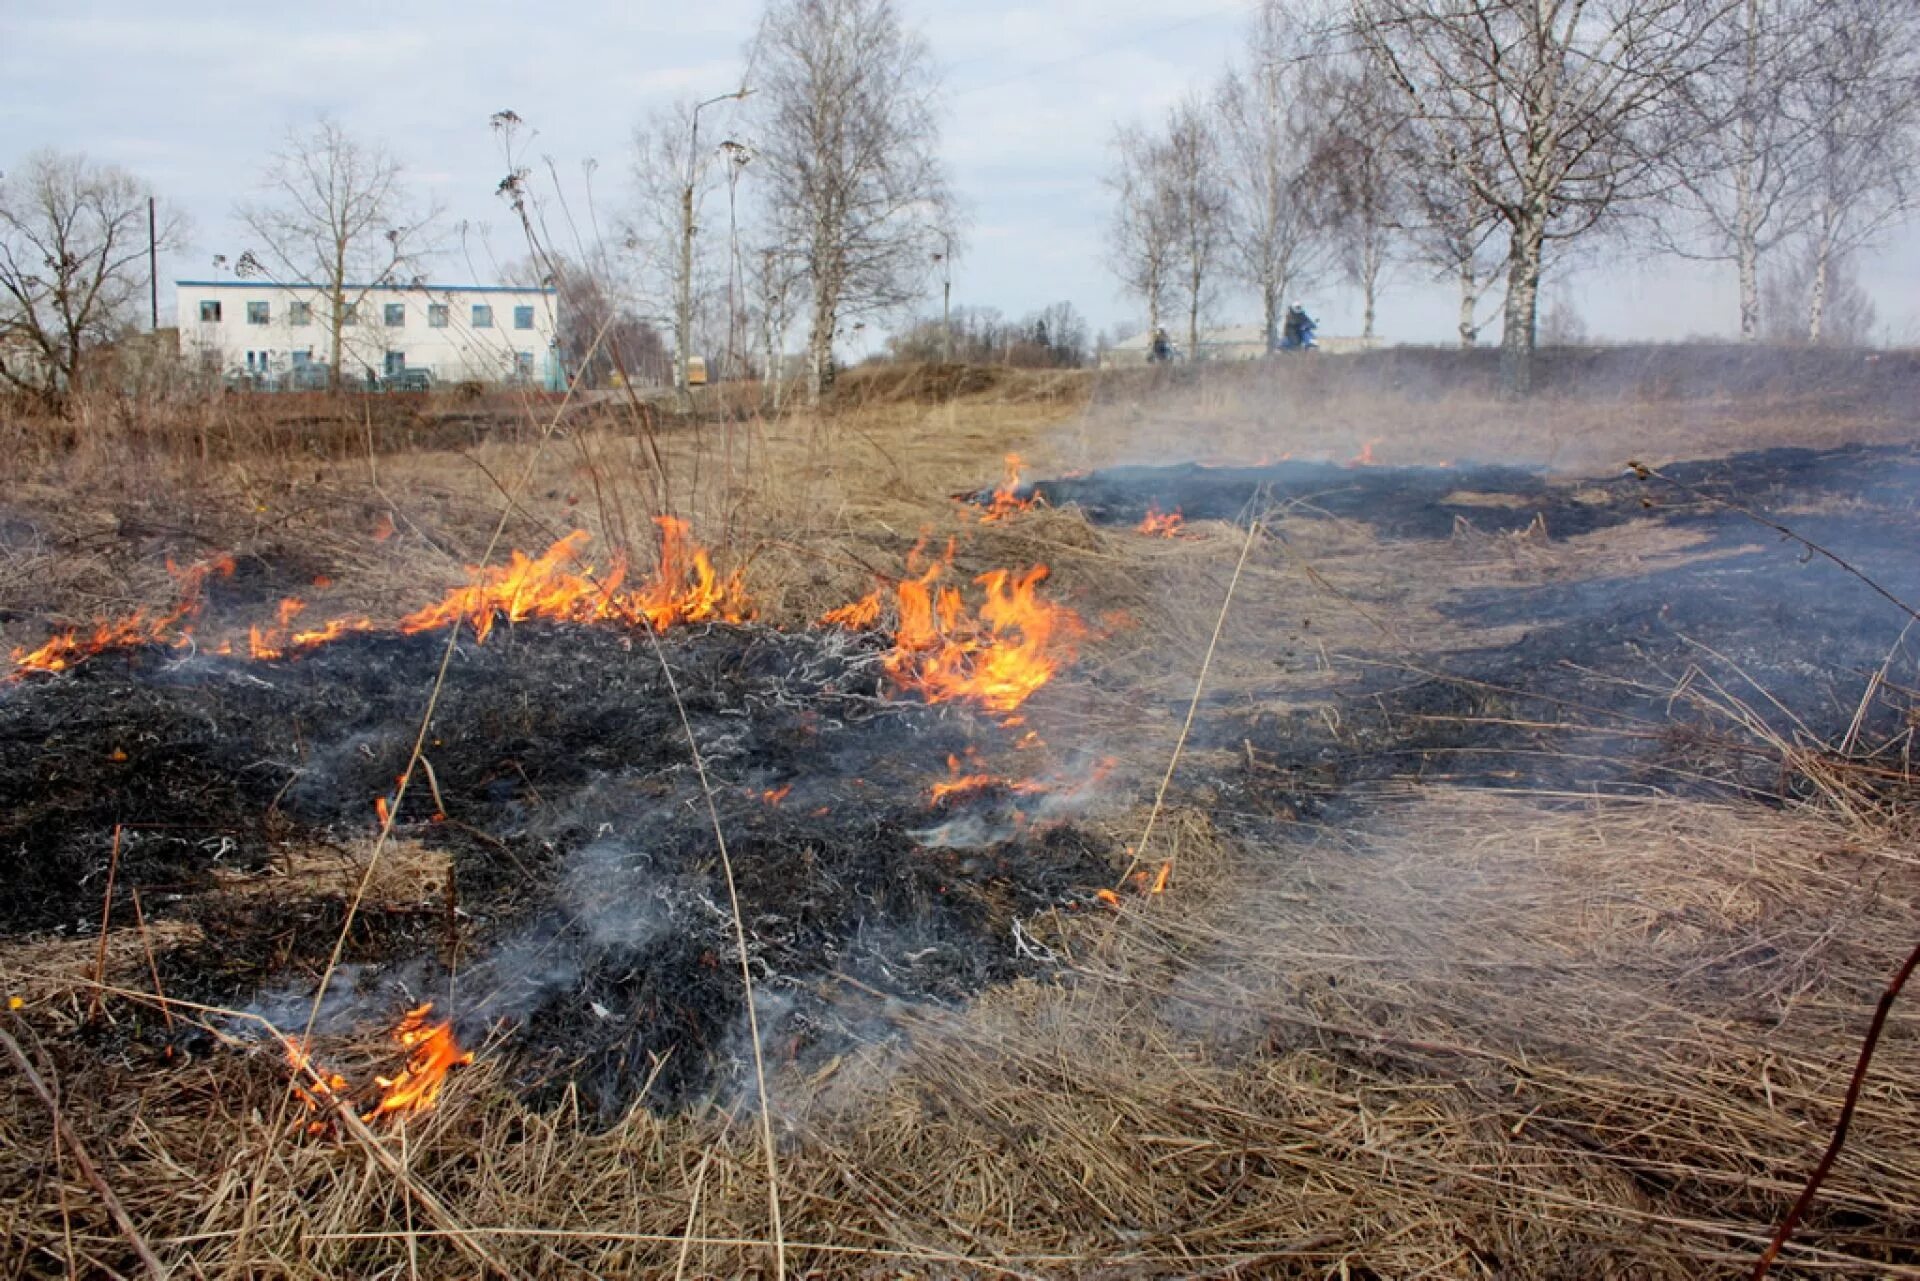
588	909
1639	681
1435	502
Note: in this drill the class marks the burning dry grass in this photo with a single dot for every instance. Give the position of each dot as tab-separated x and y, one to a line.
1454	1033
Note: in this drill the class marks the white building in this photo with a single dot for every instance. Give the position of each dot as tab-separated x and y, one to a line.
280	335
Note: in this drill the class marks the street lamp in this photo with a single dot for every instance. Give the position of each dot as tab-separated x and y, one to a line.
683	320
945	259
739	156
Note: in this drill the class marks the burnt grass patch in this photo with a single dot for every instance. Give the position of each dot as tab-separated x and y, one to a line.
582	905
1683	680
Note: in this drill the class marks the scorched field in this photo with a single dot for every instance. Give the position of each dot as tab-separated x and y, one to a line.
1321	822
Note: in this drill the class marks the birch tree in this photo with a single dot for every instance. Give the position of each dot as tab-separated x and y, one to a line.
1357	171
1553	113
1862	92
1143	232
1267	128
850	139
73	260
1197	198
1740	177
336	214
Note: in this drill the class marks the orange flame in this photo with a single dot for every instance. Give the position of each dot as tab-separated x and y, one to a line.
997	656
684	588
140	628
1365	457
962	784
322	1092
1162	524
858	616
431	1053
1006	501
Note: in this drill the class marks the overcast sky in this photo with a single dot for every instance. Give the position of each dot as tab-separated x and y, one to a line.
192	95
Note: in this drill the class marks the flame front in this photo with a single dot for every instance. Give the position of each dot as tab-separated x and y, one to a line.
1162	524
1006	500
556	585
432	1052
175	627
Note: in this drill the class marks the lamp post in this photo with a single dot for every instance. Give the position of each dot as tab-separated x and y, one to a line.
739	156
683	308
945	259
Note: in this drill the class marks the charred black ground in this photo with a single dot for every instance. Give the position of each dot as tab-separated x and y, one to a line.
586	906
584	911
1605	688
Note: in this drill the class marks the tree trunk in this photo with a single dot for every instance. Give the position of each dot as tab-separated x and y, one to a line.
1270	314
820	343
1469	298
1370	284
1746	208
683	303
1822	269
1193	315
1523	303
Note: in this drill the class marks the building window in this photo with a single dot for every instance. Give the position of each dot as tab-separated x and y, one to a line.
523	318
436	315
300	313
523	365
350	314
259	313
209	311
300	358
482	316
396	315
396	363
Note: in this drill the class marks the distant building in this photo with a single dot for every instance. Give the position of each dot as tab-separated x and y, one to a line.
1225	342
280	335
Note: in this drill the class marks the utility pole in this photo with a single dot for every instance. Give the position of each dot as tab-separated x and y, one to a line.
153	261
683	318
945	259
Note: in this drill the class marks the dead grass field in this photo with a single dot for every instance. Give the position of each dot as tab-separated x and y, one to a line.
1452	1032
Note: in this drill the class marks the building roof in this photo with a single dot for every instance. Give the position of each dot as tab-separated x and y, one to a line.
399	289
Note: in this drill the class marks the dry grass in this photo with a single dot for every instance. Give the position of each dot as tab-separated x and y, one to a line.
1467	1034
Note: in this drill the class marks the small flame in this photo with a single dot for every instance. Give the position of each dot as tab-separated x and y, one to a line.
140	628
1162	524
774	795
963	783
1365	457
858	616
431	1053
1006	501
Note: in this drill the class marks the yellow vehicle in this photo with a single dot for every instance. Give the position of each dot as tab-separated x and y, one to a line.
696	371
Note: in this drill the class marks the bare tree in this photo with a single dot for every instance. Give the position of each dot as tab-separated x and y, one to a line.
1144	227
1848	316
1739	178
1553	113
1356	166
1268	128
337	215
73	248
1199	203
1862	92
1459	238
851	144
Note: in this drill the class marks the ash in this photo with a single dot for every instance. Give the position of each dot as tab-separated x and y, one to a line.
583	915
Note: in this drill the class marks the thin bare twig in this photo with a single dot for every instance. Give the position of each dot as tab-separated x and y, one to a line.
1839	1139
